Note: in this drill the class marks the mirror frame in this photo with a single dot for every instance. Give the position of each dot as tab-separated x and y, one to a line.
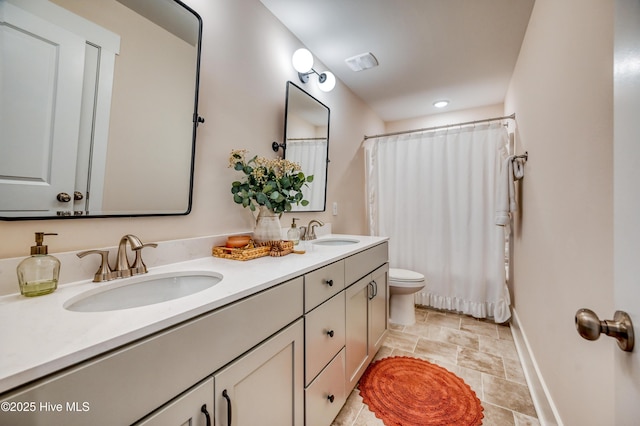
284	145
197	119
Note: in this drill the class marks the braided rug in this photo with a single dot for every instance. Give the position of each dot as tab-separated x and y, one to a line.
404	391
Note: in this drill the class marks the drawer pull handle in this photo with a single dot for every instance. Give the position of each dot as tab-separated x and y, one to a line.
226	396
329	282
330	333
206	414
331	398
371	291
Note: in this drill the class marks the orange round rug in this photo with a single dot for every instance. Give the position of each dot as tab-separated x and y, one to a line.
405	391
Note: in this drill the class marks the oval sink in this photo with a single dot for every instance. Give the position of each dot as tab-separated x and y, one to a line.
142	291
335	241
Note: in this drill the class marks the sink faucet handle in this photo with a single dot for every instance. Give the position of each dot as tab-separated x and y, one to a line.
138	265
104	272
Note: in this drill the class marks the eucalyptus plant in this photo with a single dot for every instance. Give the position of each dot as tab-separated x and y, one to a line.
275	183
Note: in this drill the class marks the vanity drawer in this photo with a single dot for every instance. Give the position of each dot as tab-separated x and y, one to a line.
324	334
360	264
321	284
326	395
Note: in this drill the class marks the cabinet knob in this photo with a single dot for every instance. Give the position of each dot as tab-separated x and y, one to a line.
329	283
330	333
331	398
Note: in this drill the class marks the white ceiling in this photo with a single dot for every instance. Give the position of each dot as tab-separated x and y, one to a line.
460	50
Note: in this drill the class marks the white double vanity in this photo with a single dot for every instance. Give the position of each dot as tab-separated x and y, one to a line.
277	341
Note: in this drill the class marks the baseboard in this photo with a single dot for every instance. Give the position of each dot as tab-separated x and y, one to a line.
545	408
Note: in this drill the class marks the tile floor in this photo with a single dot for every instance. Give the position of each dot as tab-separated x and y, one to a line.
480	352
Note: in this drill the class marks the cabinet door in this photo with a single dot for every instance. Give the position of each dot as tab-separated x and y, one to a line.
357	345
378	308
193	408
264	387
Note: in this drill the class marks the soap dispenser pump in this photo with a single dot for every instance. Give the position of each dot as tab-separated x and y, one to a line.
38	273
293	234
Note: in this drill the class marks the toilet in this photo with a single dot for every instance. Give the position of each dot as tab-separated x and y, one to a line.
402	286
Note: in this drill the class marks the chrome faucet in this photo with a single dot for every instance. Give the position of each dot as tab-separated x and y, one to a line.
123	267
310	230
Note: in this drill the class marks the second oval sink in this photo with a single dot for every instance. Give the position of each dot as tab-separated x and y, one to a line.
335	241
143	291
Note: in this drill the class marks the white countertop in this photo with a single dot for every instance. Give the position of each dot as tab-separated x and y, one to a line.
38	336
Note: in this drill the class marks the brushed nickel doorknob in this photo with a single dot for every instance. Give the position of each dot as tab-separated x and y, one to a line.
590	327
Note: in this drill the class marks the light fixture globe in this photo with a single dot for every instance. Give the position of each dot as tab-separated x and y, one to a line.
441	104
326	81
302	60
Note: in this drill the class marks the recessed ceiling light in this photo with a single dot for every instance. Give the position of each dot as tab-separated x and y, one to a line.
440	104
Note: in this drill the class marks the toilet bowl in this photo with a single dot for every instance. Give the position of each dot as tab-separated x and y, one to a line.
402	286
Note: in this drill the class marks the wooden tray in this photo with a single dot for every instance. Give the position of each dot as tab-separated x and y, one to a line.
268	248
244	253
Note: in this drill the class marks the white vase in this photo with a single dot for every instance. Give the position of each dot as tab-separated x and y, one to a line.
267	226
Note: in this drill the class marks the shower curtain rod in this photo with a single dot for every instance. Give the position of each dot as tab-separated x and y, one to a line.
426	129
306	139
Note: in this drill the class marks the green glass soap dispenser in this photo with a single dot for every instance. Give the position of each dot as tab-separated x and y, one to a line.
38	273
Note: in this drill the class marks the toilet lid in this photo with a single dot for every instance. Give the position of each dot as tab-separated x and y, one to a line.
404	275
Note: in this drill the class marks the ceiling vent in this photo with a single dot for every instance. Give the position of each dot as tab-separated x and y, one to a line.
362	61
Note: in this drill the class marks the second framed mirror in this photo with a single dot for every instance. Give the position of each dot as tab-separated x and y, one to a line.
306	140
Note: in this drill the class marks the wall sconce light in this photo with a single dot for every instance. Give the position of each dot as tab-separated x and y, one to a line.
303	63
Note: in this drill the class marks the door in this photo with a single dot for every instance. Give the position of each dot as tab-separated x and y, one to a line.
626	200
39	139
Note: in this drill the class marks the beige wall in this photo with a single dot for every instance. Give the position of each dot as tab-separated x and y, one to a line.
562	94
246	61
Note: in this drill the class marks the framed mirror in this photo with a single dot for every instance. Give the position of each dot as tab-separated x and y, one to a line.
98	108
306	142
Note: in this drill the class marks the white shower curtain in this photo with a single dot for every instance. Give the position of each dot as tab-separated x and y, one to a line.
311	155
433	194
